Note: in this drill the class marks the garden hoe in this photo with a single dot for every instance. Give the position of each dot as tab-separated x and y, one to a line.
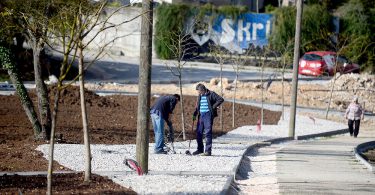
192	130
170	140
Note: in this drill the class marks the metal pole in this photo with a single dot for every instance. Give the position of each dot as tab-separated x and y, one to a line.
297	38
144	86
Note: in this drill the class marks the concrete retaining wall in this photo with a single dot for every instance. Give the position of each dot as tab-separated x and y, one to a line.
128	43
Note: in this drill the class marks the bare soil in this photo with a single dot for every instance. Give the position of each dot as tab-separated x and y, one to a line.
17	184
370	156
112	120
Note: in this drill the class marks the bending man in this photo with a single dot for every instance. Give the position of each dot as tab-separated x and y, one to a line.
160	112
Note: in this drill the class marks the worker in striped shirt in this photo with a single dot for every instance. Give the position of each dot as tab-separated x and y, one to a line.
206	110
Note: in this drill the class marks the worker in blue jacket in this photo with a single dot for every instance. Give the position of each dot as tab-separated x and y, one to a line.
161	111
206	110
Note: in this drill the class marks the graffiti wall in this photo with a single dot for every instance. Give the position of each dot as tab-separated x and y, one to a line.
236	35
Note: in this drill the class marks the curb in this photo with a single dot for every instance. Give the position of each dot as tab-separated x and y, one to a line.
359	149
114	173
230	180
325	134
30	173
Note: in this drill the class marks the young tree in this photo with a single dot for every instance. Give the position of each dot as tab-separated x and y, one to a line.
64	27
90	25
286	58
263	59
220	56
78	26
267	52
339	63
239	61
180	48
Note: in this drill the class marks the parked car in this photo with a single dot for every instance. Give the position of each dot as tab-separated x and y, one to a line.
317	63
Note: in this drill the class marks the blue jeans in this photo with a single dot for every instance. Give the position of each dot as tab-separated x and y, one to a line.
158	124
205	128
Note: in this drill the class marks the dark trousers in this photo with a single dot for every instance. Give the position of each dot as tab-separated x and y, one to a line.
356	124
204	127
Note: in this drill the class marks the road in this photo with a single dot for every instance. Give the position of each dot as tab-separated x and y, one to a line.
122	70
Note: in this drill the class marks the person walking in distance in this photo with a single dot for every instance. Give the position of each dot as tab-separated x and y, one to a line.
354	113
206	111
160	112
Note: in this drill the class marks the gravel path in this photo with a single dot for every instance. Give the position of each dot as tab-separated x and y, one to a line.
257	172
177	173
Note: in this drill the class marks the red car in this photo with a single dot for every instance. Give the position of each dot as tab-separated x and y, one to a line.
317	63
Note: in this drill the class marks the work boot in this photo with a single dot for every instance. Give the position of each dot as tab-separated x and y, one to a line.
197	152
161	152
205	154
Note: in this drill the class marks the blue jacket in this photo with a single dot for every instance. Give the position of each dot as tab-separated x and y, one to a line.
214	101
164	106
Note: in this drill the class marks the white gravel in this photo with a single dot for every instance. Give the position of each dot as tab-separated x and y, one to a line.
164	169
170	184
257	172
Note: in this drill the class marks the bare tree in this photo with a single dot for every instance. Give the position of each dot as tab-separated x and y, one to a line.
339	65
89	26
285	58
86	24
64	28
180	47
262	87
266	53
239	61
220	56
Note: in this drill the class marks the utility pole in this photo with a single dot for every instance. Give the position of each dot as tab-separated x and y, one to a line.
297	38
144	86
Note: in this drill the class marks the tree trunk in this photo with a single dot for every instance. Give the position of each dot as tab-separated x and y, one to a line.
330	96
182	109
262	88
26	102
282	91
52	141
234	102
144	86
41	90
86	138
297	42
221	94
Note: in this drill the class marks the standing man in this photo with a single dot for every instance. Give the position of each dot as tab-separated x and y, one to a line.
160	112
206	110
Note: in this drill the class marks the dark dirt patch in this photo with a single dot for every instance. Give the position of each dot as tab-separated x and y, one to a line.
112	120
370	156
16	184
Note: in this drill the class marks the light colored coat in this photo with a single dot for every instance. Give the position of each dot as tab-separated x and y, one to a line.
354	111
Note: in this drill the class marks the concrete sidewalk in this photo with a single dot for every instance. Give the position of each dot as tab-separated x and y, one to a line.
324	166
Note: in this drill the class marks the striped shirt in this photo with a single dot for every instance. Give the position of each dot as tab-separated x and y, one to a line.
203	104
